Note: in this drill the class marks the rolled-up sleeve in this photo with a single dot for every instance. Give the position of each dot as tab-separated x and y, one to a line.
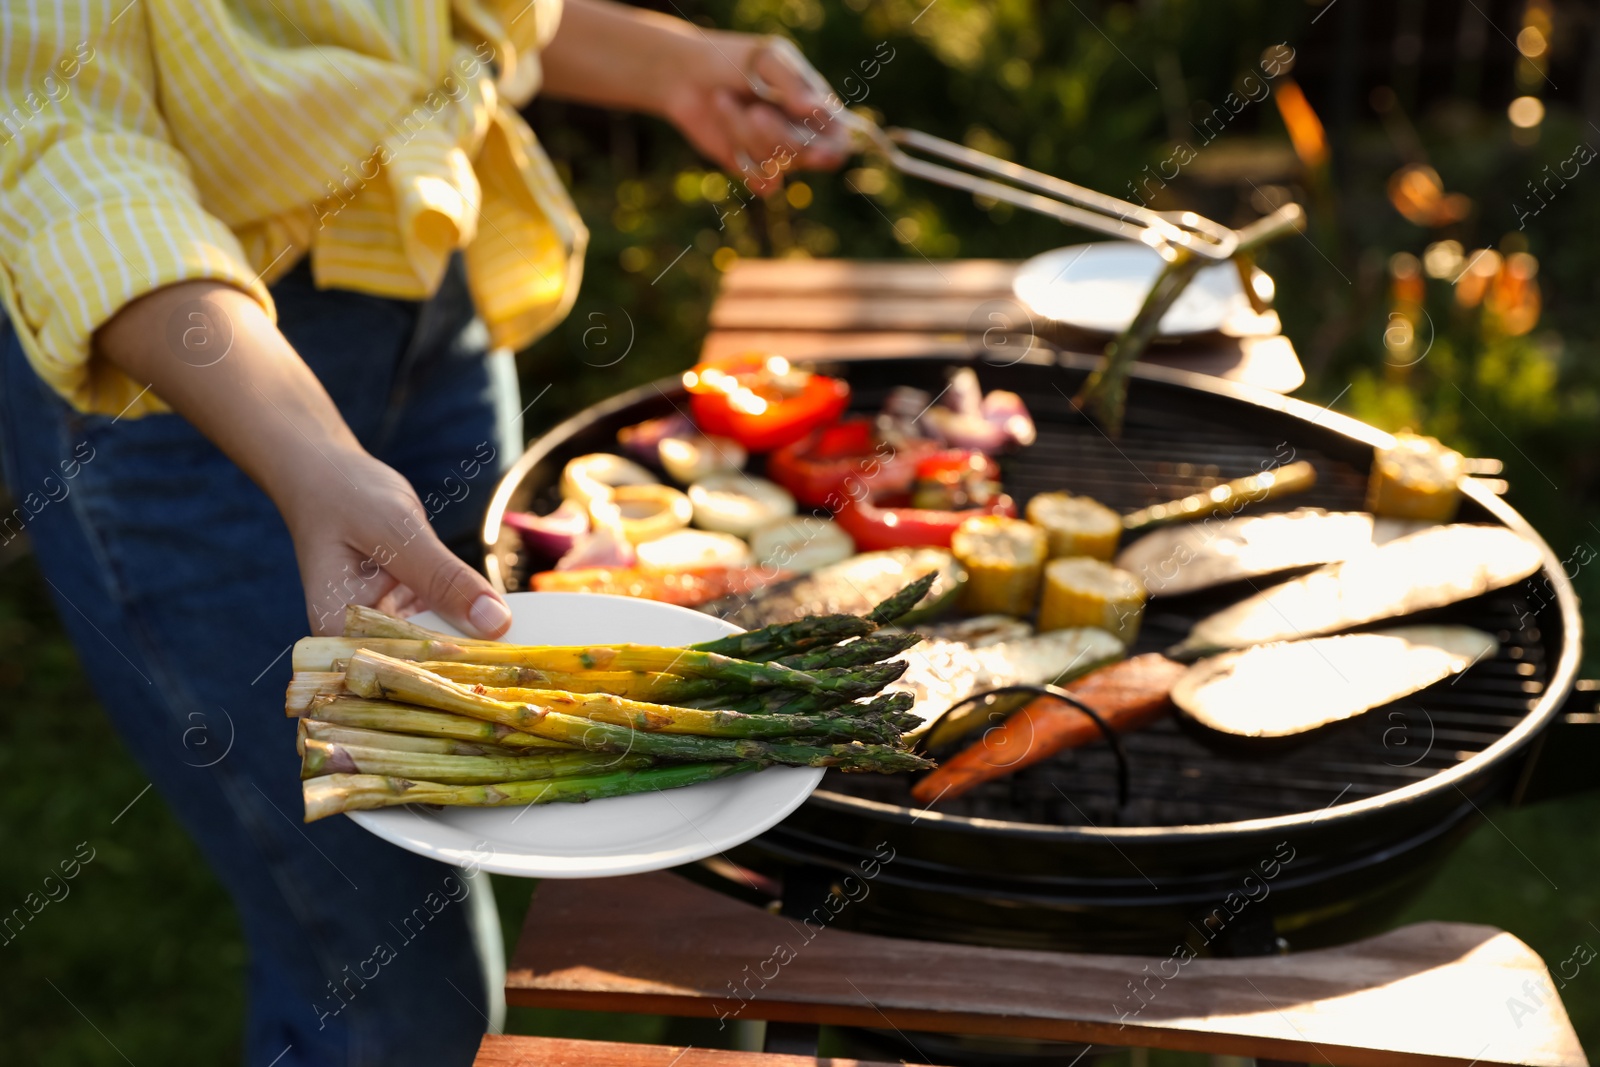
97	207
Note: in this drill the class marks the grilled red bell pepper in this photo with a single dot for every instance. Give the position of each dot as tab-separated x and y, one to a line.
951	486
846	462
761	401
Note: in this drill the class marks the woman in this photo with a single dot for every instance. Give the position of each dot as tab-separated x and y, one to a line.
254	259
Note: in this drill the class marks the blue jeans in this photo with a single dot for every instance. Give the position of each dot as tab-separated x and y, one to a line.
176	579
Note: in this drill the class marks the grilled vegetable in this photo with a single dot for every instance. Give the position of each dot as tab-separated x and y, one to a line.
320	653
689	587
769	642
1128	696
336	793
592	477
1076	525
874	648
689	458
980	630
1087	592
939	673
1416	478
801	544
326	757
642	512
420	722
761	401
701	722
320	730
846	461
873	527
693	550
360	621
550	535
1003	558
965	418
605	545
837	685
643	439
586	720
1194	556
1227	498
636	685
1289	688
1438	566
954	479
733	502
604	737
853	587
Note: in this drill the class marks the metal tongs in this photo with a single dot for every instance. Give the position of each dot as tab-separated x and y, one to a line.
1185	240
1170	234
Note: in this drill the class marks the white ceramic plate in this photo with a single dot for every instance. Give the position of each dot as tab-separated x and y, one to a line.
617	835
1099	287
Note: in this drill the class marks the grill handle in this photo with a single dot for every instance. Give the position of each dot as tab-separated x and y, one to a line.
1562	760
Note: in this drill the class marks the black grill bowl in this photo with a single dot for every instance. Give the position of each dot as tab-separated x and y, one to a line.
1364	810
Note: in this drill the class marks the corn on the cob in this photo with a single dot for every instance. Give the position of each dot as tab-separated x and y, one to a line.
1088	592
1418	478
1076	525
1003	558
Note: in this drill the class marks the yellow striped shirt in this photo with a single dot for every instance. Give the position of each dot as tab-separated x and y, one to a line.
145	142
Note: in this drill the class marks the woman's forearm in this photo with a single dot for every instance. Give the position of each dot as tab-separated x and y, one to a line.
211	353
611	55
360	533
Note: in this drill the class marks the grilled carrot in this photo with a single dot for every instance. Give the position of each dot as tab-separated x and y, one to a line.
1128	695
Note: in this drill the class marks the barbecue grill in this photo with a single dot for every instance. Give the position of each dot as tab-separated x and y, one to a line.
1047	858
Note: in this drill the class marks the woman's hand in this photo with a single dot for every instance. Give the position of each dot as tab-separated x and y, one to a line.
757	108
751	104
360	534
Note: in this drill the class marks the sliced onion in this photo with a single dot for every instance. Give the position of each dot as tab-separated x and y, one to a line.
1006	410
644	438
964	395
801	544
603	546
553	534
690	457
687	549
643	512
590	478
965	431
736	503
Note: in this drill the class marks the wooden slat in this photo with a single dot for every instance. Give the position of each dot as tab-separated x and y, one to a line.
1264	362
1432	993
849	311
500	1050
828	308
797	276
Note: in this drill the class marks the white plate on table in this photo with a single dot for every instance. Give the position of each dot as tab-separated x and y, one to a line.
1099	287
616	835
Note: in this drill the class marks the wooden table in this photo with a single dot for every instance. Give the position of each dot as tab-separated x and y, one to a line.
824	308
1427	994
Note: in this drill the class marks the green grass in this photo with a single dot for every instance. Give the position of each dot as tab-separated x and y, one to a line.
142	961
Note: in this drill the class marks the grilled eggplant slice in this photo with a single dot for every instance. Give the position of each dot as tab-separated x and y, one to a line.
1185	559
1289	688
1438	566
